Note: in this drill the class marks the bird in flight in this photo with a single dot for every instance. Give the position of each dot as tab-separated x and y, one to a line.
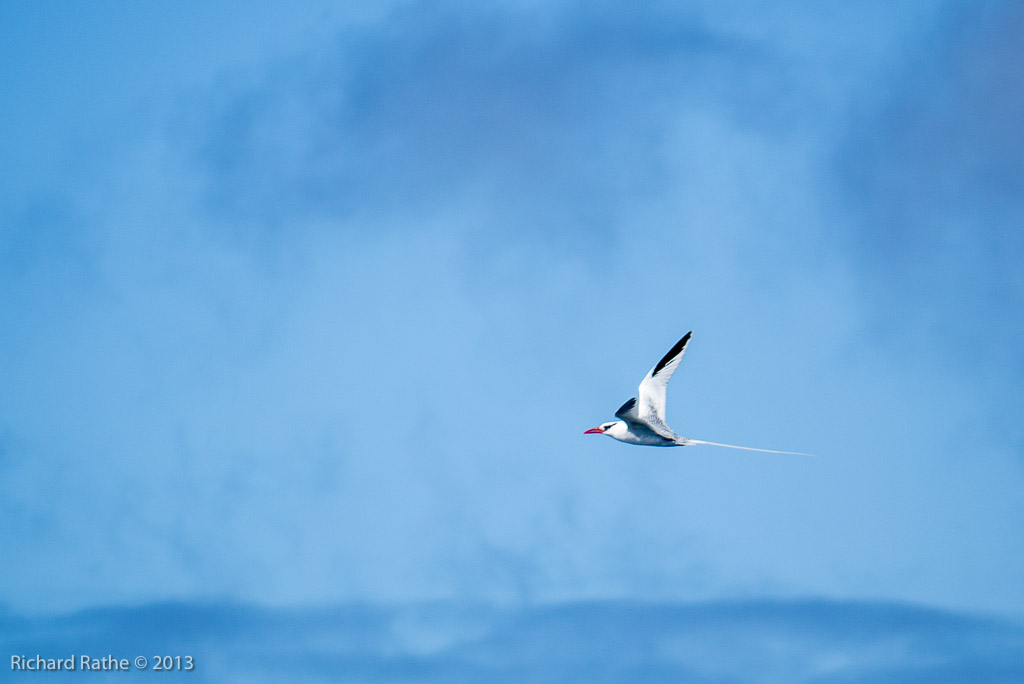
642	420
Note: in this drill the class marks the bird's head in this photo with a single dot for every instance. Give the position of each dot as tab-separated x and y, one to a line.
606	428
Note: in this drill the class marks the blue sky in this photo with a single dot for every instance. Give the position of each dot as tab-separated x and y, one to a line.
311	304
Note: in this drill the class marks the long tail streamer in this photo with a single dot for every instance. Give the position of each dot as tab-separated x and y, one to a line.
687	442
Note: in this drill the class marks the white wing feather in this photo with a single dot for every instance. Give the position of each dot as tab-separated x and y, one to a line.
651	407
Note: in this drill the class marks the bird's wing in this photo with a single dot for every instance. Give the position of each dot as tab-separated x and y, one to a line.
651	407
688	442
628	412
657	425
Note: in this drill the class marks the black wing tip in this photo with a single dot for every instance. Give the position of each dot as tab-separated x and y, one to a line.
625	408
673	352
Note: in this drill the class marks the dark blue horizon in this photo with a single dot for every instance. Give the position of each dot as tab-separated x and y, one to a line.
596	641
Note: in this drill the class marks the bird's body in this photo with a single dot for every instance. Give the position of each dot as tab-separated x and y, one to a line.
636	434
642	418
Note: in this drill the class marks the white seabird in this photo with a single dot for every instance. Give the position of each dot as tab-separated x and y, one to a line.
642	421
